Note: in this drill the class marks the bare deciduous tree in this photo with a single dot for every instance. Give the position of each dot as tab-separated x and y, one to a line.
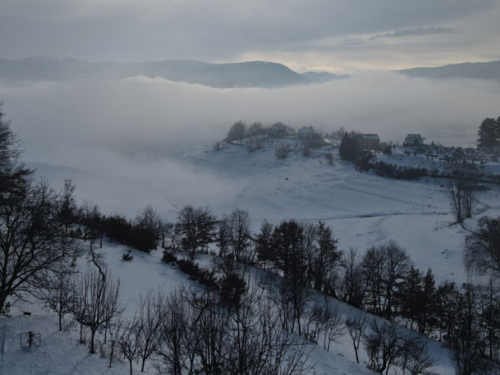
415	357
130	342
461	191
383	345
149	321
98	302
356	328
239	233
482	248
32	239
59	292
353	286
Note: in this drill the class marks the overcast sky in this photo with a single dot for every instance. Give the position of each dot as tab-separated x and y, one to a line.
341	36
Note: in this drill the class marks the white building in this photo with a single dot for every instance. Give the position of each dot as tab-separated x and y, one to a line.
308	133
414	140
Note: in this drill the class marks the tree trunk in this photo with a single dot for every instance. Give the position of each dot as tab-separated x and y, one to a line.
3	298
356	351
92	336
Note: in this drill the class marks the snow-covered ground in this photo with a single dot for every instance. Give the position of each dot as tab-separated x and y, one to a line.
363	210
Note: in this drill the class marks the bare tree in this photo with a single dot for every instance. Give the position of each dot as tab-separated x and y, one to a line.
456	198
239	233
98	302
356	327
149	321
13	175
68	209
170	237
147	230
383	345
467	341
461	191
32	239
115	333
327	320
200	332
176	335
384	269
482	248
414	357
130	342
353	286
335	325
59	292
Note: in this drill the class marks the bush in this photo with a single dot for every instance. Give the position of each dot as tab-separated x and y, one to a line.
196	273
282	151
329	157
363	164
306	151
127	256
217	146
168	257
254	146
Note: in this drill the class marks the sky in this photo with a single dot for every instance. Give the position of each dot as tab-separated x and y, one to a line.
340	36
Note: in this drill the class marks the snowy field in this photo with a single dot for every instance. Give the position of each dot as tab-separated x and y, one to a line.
363	210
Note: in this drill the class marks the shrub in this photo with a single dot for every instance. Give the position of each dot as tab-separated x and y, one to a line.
217	146
306	151
282	151
168	257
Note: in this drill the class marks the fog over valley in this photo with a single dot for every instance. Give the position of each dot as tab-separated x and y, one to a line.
71	123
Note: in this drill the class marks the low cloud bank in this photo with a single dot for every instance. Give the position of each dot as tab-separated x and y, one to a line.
94	125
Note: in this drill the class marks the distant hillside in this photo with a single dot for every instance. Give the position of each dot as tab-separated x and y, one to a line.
487	70
322	77
246	74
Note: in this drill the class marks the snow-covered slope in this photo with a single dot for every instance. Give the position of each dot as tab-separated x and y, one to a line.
363	209
61	353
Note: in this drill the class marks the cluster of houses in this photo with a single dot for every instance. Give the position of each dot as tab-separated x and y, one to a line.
366	142
371	142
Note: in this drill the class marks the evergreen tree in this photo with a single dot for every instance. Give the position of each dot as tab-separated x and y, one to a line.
489	133
345	147
264	244
350	147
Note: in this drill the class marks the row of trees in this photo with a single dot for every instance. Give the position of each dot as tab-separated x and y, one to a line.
240	130
191	330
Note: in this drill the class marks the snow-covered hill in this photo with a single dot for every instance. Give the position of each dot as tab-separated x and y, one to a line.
363	210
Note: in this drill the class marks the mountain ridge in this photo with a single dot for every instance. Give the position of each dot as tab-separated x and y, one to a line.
244	74
477	70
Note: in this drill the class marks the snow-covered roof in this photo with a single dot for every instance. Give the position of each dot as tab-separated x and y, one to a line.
414	136
370	136
306	129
